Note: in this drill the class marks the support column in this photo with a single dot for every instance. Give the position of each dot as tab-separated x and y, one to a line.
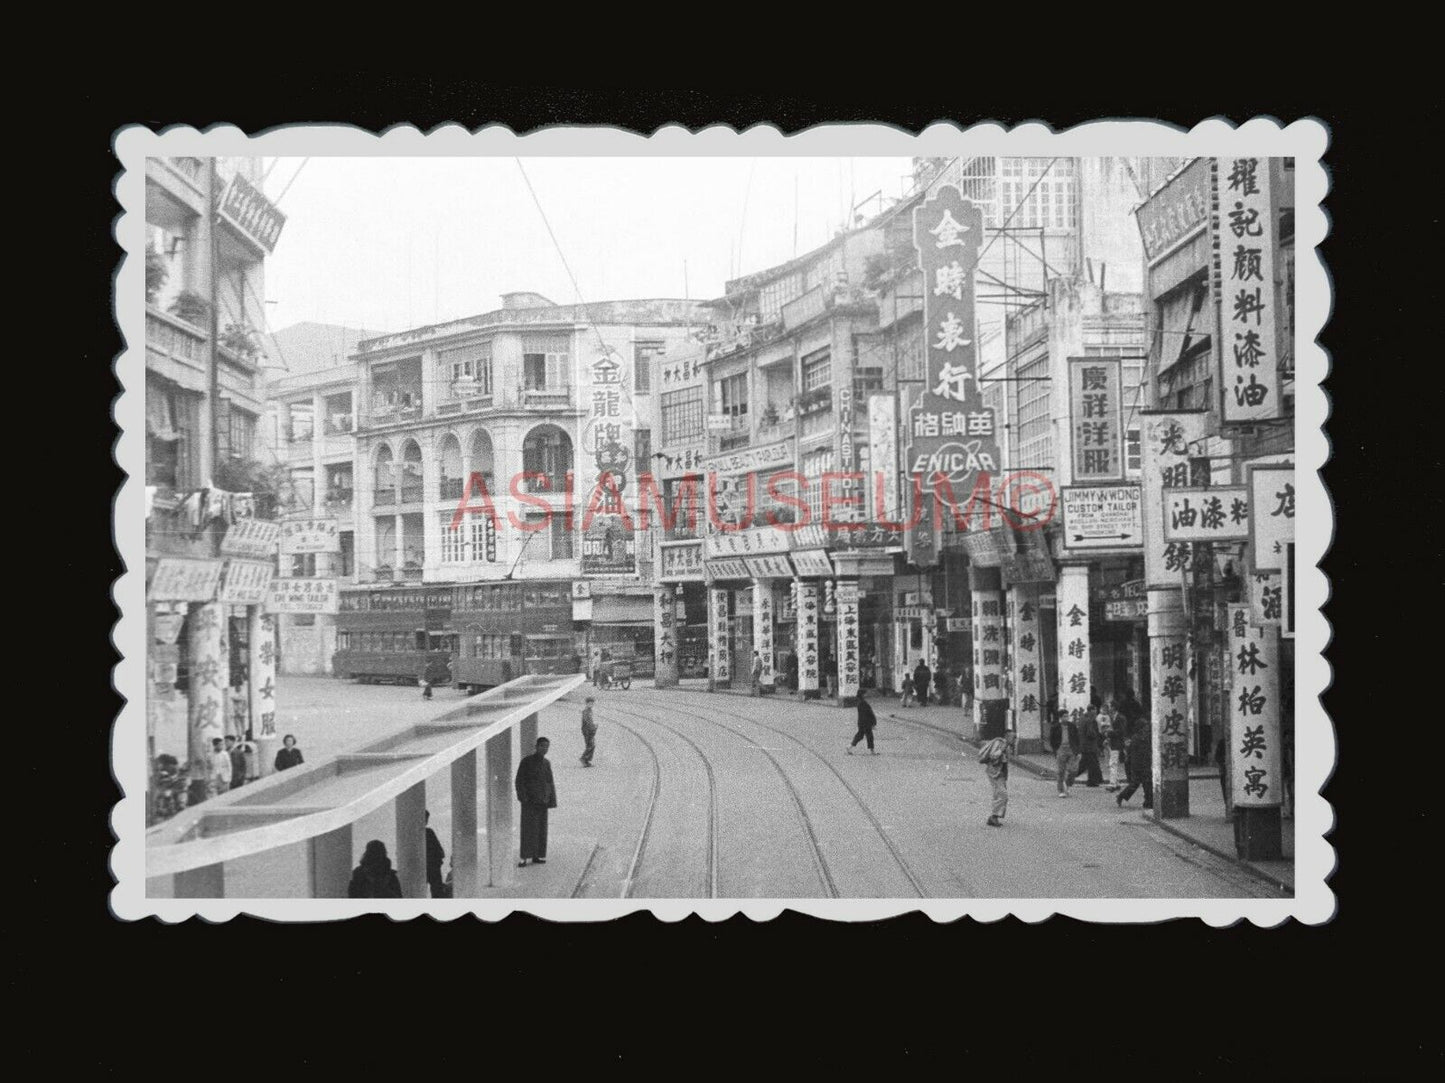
466	877
808	667
527	735
1256	763
986	587
763	632
664	639
1026	672
209	672
208	882
411	841
848	646
1168	674
1072	621
501	851
262	631
719	639
329	863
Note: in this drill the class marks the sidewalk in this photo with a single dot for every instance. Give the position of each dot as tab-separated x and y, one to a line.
1207	826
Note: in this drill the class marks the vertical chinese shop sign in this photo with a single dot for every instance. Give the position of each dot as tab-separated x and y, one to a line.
1170	441
807	595
1244	249
609	547
1096	426
849	660
1254	737
951	432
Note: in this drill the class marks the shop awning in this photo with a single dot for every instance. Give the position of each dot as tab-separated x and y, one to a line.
1180	325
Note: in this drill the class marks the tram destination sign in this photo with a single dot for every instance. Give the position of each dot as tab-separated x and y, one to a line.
1103	517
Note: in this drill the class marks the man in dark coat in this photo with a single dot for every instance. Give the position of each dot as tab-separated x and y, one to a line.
921	676
1089	754
238	762
866	721
537	793
1141	763
435	855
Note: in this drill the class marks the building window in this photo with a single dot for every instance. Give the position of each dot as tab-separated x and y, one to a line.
1035	432
815	464
303	566
1051	206
472	542
242	432
817	370
301	419
546	361
338	414
547	450
467	370
733	395
773	296
551	544
681	415
644	357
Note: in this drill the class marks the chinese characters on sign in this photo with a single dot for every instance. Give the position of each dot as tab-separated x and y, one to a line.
302	596
1271	491
1206	515
1244	265
883	456
719	639
772	567
1072	612
681	561
849	648
1171	706
988	646
950	430
250	538
1266	598
807	595
608	546
1095	420
177	580
1254	735
1102	517
1177	212
1023	609
763	627
727	568
246	582
250	212
310	536
1171	441
664	619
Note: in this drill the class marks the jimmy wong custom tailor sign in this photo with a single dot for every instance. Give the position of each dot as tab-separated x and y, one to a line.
1096	429
1171	441
1254	732
1248	311
1103	517
1206	515
950	430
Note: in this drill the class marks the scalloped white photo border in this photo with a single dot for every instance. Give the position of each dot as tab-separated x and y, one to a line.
1315	749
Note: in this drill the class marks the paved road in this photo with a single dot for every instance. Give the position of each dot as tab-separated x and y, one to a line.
697	795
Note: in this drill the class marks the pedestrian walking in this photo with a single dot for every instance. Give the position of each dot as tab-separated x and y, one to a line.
290	755
219	772
921	676
1141	769
1221	755
1064	740
589	732
537	793
995	756
1111	731
248	750
1089	749
425	683
906	683
866	721
940	684
793	671
435	856
373	877
757	674
238	762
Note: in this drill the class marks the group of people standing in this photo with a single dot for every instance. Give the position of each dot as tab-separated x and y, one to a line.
1117	731
916	686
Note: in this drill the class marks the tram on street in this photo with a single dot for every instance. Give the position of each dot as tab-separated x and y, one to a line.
394	634
507	630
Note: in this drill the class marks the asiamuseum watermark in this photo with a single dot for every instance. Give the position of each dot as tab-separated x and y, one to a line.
1023	500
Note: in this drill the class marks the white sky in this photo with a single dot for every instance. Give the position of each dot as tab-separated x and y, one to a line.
391	243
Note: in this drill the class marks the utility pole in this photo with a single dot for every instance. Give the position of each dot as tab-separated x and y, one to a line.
212	214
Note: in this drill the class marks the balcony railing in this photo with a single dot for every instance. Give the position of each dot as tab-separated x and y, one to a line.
170	335
545	484
545	396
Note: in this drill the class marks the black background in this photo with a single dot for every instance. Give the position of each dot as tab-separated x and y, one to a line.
1059	999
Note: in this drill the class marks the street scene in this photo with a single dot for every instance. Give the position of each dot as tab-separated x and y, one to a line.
719	528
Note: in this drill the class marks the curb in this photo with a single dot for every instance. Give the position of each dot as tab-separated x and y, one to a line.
1234	859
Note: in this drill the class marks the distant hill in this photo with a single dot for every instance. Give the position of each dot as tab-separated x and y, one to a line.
307	347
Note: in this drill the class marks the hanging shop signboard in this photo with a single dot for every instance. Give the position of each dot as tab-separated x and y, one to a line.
849	645
681	562
719	638
813	563
744	543
727	568
302	596
310	536
1103	517
1244	247
250	538
1271	492
769	457
1170	440
807	602
1027	567
246	582
608	436
1177	212
950	430
251	214
1254	730
178	580
772	567
1206	515
1096	422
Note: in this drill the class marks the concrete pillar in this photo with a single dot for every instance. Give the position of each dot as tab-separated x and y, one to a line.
1072	621
466	878
329	863
501	853
262	632
1168	707
1026	668
664	637
849	645
1256	758
208	882
719	639
986	611
808	666
210	671
763	631
411	841
527	735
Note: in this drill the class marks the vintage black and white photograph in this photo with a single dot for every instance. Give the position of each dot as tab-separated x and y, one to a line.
856	522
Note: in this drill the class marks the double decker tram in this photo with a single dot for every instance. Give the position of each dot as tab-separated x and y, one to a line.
394	634
507	630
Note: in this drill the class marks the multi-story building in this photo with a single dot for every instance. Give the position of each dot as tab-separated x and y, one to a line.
209	231
520	409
